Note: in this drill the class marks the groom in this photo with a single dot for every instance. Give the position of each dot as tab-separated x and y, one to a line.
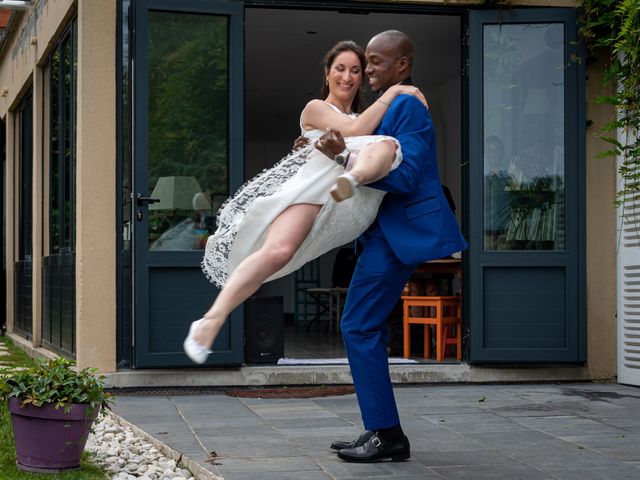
414	225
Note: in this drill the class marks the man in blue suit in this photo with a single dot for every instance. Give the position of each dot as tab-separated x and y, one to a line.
414	224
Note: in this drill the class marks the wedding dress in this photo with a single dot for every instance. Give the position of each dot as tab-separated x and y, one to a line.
303	176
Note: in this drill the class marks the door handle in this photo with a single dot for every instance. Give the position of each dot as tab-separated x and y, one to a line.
140	200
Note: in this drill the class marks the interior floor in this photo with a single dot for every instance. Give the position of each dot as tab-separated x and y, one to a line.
317	345
301	342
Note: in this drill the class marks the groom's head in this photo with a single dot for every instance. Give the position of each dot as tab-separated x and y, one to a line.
389	59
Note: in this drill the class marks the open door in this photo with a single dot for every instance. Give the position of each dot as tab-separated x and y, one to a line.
188	156
526	188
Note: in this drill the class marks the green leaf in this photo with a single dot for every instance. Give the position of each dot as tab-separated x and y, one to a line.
55	382
614	25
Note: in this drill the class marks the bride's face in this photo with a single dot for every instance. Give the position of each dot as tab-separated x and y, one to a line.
345	76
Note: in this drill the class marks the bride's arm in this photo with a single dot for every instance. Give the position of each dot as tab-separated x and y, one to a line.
317	114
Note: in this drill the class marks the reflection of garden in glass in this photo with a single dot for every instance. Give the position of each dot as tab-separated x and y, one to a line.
54	170
188	120
523	137
69	85
125	125
62	130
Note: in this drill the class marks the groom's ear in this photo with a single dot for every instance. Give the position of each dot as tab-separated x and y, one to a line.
403	64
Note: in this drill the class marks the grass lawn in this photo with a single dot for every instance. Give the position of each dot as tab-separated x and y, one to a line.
8	470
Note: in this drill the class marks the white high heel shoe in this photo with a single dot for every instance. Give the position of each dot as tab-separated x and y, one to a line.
344	188
196	352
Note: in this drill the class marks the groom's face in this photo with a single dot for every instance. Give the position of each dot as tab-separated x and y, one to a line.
383	63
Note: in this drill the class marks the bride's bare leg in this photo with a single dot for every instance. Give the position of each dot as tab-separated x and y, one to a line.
373	163
285	235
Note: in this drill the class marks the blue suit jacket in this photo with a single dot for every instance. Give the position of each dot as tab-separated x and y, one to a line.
415	216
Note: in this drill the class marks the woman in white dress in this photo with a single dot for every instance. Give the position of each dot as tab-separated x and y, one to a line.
284	217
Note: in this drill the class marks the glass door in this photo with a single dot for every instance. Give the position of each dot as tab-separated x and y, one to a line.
187	158
526	185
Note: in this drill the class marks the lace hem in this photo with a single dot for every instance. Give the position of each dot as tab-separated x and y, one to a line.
215	262
231	213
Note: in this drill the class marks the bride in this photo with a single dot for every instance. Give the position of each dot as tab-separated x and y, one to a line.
283	218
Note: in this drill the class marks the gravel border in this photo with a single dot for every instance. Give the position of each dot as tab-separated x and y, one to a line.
127	453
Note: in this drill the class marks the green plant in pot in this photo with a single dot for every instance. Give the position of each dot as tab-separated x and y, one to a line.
52	406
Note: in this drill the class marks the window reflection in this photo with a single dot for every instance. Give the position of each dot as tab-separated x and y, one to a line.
62	70
523	137
188	127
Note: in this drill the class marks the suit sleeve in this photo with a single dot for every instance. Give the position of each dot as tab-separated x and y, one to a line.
410	123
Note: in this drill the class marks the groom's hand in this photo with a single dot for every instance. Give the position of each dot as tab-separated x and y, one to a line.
331	143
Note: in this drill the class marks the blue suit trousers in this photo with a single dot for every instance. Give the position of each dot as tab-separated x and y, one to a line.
375	288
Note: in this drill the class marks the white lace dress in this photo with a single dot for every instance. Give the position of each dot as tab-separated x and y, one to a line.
305	176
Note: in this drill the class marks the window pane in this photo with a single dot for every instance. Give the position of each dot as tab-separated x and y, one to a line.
62	90
523	137
25	129
67	199
126	139
54	149
188	127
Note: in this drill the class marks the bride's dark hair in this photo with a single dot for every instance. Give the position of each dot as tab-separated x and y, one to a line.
329	58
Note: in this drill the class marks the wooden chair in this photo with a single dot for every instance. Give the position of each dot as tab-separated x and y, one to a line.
447	314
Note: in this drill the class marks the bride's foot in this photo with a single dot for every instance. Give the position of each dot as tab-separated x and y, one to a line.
193	346
344	188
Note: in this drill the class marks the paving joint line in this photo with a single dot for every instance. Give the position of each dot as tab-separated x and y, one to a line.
181	459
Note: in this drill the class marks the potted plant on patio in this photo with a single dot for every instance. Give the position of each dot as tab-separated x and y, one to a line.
52	406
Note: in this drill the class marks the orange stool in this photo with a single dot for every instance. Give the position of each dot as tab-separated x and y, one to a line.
447	314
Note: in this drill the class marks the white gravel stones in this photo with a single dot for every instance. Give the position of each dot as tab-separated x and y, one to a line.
126	456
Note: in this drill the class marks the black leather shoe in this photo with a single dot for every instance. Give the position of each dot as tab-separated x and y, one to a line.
358	442
376	450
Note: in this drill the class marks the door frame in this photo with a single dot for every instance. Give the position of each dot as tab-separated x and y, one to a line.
573	257
126	321
141	258
237	117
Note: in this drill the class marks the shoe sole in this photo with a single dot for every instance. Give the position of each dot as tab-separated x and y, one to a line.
342	189
394	458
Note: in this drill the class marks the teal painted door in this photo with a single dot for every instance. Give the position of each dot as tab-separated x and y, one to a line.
526	186
188	156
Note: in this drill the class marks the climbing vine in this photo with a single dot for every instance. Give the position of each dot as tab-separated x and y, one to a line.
614	25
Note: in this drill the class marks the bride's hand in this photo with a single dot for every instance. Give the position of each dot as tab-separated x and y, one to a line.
410	90
299	143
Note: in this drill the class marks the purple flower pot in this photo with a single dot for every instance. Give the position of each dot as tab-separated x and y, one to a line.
49	440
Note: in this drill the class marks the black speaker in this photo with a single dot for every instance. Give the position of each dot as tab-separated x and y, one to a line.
263	329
